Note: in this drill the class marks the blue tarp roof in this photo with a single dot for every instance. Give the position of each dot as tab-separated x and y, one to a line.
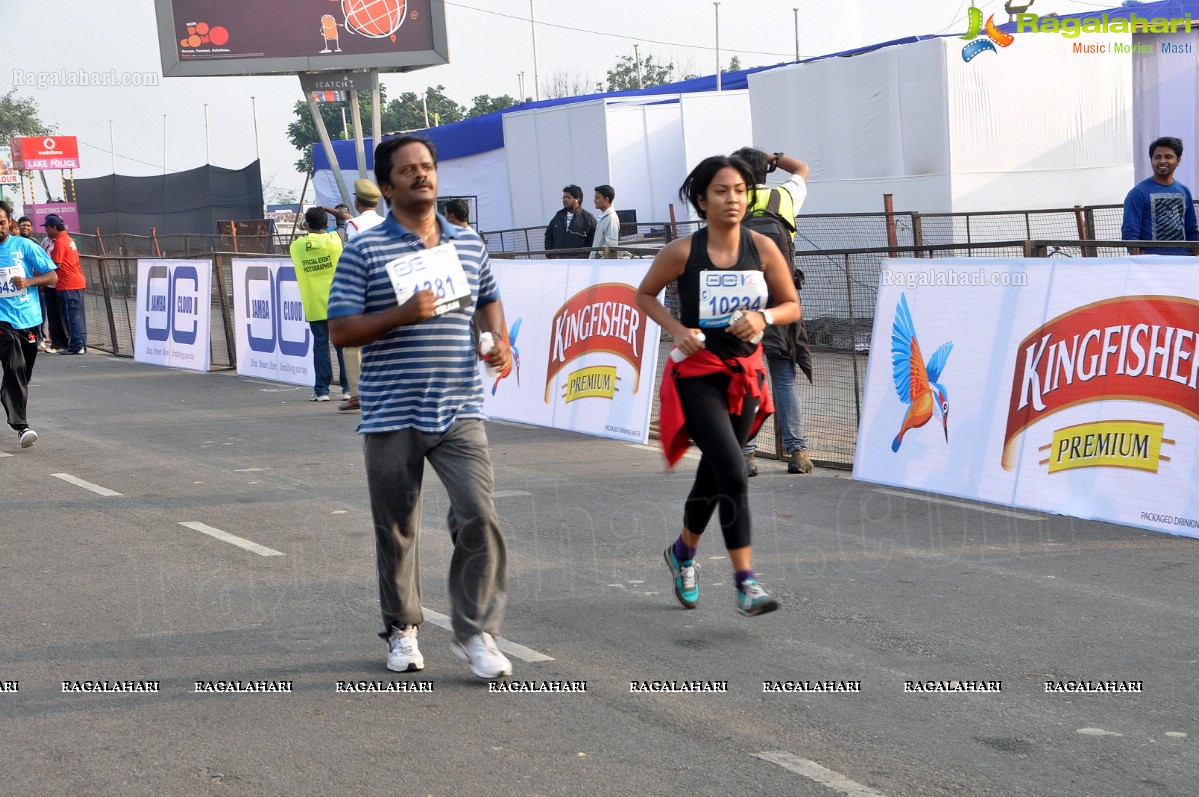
485	133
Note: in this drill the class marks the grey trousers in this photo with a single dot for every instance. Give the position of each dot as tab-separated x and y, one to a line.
395	466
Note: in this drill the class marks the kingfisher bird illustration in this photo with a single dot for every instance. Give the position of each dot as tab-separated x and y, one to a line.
915	382
515	361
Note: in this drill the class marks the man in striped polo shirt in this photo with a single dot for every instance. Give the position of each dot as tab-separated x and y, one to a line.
406	291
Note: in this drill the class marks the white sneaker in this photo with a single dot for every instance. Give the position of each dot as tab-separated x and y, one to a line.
403	654
484	657
28	438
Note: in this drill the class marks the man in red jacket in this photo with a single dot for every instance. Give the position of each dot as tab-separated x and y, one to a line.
71	283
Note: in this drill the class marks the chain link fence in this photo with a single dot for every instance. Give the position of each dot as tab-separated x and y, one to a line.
841	255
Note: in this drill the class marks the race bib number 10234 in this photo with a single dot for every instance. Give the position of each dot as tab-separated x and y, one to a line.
722	293
437	269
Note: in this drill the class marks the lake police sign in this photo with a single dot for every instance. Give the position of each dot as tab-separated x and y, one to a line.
174	312
273	339
38	153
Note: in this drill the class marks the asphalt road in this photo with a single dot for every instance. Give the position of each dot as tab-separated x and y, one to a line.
878	586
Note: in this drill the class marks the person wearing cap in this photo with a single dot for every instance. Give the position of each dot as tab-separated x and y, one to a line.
366	200
24	268
71	283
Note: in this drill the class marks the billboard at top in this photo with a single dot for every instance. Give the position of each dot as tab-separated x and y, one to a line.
233	37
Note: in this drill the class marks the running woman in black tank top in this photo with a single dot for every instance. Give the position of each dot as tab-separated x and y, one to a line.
718	270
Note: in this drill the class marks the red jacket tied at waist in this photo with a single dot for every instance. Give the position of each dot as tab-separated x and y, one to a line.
748	376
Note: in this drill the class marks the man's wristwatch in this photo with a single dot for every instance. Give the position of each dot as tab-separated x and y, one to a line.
769	317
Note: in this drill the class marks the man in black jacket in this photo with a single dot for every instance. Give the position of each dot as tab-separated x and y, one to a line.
786	347
572	227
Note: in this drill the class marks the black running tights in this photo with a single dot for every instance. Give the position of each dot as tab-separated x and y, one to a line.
721	480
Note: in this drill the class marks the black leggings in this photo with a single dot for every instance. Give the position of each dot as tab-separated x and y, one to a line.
17	354
721	479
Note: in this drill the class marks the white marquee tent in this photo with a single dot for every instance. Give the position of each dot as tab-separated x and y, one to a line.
1033	125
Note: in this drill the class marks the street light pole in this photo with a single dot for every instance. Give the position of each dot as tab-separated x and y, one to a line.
536	73
717	5
796	10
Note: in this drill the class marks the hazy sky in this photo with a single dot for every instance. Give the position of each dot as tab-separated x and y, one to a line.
489	42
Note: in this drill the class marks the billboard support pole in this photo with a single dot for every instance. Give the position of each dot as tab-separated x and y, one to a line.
319	122
359	147
376	110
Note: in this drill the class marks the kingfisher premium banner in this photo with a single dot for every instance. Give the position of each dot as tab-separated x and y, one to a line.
1068	386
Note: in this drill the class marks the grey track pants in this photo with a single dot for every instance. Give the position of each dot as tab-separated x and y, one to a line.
395	465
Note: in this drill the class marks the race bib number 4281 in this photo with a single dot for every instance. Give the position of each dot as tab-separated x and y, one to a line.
722	293
437	269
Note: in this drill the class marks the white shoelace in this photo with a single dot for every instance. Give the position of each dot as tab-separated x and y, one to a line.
688	575
753	590
405	640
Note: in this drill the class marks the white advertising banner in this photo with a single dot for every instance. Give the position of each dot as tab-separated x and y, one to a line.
1067	386
174	313
273	340
586	356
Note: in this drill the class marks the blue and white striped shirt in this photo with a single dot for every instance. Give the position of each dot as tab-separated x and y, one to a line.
419	376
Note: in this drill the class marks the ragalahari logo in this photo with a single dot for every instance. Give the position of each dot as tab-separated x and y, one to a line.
994	35
917	383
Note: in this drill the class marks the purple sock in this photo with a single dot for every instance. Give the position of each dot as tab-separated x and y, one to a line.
682	551
741	576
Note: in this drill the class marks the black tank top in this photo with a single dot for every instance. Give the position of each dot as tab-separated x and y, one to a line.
700	304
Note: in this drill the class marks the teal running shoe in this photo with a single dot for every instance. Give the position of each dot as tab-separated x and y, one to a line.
752	600
686	578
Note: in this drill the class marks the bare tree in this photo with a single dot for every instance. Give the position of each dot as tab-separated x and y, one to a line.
567	83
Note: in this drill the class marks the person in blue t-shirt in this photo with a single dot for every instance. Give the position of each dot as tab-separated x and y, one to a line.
24	266
1160	208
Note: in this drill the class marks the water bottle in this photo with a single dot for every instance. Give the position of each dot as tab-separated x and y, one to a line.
737	316
677	355
486	345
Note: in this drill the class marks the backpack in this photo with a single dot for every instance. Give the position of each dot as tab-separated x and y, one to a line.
769	222
789	342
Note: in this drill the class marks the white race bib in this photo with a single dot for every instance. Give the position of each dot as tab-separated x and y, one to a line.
7	289
437	269
724	292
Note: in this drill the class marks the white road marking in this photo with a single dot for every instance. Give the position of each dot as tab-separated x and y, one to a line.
1097	732
248	470
232	539
691	454
511	648
5	454
814	772
509	494
95	488
962	504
